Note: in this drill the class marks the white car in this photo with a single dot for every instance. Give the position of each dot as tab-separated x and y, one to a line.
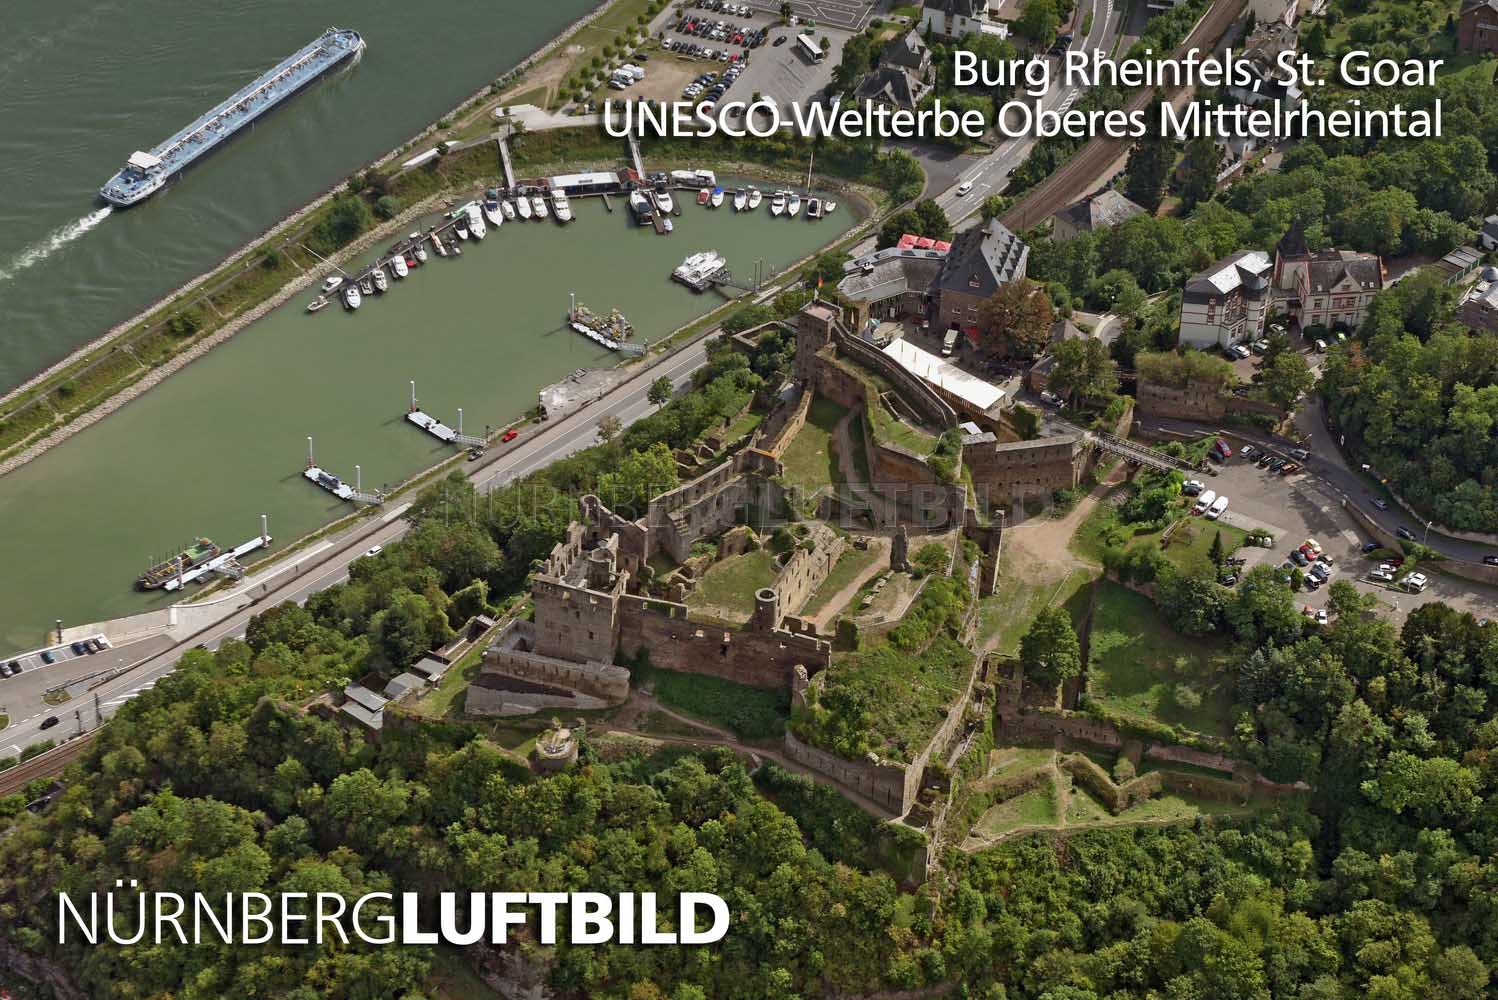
375	550
1321	617
1414	583
964	188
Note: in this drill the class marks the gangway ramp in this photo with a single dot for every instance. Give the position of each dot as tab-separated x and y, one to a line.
504	158
1137	452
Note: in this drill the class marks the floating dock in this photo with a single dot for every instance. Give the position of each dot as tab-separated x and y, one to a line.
438	429
340	489
226	564
147	170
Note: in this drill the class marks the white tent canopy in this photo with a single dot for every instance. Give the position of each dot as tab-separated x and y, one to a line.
944	375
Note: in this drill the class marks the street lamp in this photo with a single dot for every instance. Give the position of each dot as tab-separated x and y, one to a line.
1426	539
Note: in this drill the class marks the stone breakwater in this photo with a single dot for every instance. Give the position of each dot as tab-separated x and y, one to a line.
179	361
291	220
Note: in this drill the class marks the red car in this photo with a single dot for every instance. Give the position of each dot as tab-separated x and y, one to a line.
510	435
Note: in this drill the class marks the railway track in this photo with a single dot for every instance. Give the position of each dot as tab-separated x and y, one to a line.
1076	176
44	765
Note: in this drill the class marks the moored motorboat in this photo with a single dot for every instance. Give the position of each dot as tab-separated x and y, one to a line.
538	206
828	206
381	280
398	266
523	206
476	225
717	197
332	283
420	253
639	204
316	304
460	227
740	200
457	250
439	246
704	196
351	297
561	206
754	197
793	206
507	208
495	217
777	203
667	224
813	208
366	286
663	198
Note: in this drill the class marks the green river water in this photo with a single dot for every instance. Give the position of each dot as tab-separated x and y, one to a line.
212	447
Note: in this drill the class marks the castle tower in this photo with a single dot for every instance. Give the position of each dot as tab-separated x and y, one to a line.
766	609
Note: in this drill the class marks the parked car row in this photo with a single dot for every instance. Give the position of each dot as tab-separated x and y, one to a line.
694	51
737	9
721	31
711	87
84	647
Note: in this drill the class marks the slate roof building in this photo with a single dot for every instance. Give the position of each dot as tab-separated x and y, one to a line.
892	86
1477	28
982	260
1330	288
1227	303
1103	210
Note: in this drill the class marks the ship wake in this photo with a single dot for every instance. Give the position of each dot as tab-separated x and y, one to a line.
55	241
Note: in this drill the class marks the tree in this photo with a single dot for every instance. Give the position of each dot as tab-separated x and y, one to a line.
1083	368
1215	553
1038	21
1148	168
609	427
1262	609
347	217
1049	651
1203	161
1016	320
1286	378
661	391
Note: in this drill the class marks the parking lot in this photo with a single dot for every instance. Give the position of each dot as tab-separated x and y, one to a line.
846	15
1298	507
22	694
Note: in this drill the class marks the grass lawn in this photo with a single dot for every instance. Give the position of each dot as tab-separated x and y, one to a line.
1035	807
1004	761
1005	615
1138	666
730	583
809	460
742	426
615	23
751	712
892	430
849	565
857	442
1191	543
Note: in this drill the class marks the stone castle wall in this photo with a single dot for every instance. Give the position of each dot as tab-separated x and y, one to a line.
805	571
753	656
892	786
1010	468
539	680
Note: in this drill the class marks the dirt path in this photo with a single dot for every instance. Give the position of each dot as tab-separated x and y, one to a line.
1044	542
835	605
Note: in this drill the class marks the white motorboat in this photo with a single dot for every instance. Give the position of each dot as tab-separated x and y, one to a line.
316	304
793	207
663	199
754	198
351	298
381	280
538	206
777	203
460	227
813	208
476	223
523	206
740	200
366	287
561	206
398	266
492	213
639	204
717	198
439	246
666	223
828	206
332	284
507	208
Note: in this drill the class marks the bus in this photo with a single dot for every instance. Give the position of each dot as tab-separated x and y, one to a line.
809	48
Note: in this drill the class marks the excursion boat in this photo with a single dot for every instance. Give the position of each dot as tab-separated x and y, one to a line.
381	280
717	197
351	298
777	203
495	217
538	206
704	196
331	284
439	246
813	208
507	208
193	556
561	206
523	206
793	207
697	270
740	200
398	265
754	198
316	304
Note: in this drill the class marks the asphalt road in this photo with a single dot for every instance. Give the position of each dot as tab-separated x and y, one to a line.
990	174
537	448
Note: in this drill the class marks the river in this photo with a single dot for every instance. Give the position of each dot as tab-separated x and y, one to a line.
214	446
86	82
